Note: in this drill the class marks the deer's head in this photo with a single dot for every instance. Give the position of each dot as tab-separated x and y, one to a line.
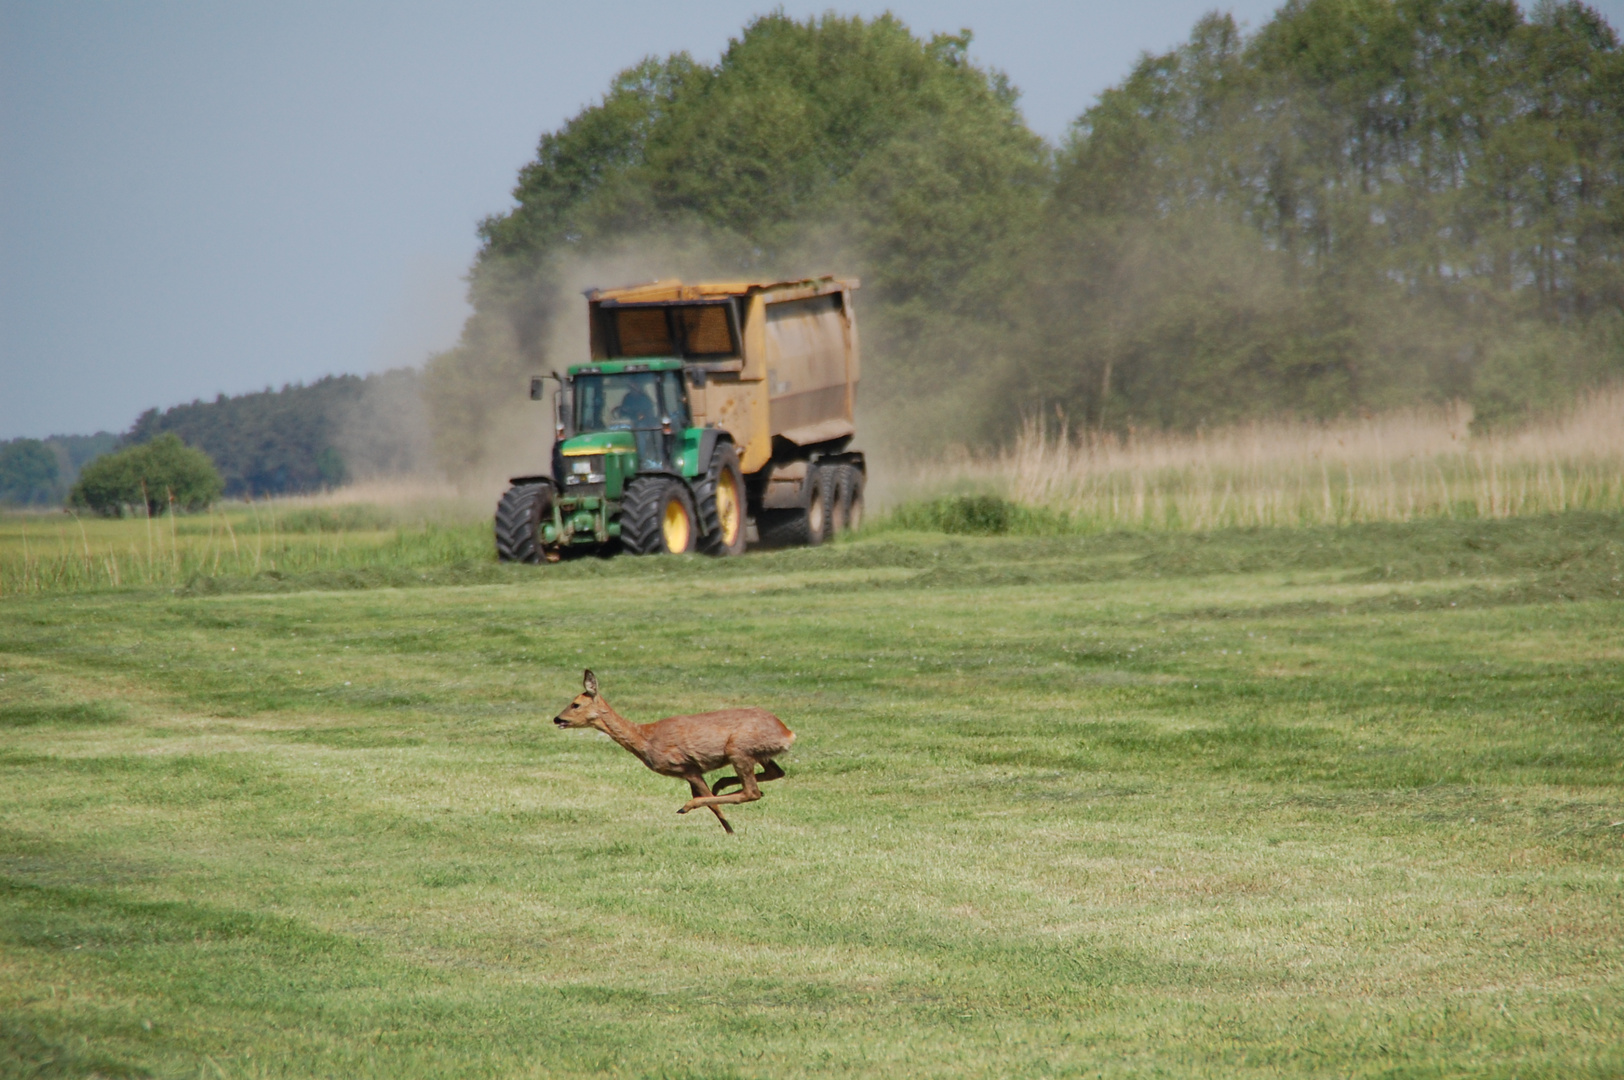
586	707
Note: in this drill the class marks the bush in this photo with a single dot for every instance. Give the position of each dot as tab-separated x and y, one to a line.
979	515
155	474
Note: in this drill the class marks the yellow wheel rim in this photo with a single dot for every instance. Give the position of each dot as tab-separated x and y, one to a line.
674	526
727	508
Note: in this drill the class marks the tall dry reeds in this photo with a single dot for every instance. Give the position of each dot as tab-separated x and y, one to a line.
1394	467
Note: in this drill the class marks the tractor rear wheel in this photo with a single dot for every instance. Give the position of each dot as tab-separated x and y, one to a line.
518	521
657	517
721	504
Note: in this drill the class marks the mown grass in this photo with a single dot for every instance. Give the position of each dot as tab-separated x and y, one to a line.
1320	802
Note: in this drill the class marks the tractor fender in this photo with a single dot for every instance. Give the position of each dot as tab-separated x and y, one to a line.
707	446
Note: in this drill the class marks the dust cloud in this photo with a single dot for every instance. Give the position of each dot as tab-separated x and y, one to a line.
486	427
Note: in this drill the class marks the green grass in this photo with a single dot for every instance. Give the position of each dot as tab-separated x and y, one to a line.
237	547
1320	802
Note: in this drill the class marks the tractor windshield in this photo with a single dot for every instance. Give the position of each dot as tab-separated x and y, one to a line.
636	401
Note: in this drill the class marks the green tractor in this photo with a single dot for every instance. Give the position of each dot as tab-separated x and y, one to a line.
707	410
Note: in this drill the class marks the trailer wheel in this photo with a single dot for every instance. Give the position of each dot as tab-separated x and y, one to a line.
721	504
657	517
518	521
802	528
849	499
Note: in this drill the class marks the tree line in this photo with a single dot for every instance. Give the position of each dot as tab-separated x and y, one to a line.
1363	204
301	438
271	442
39	472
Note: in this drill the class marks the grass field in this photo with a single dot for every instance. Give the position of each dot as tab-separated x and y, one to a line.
268	541
1320	802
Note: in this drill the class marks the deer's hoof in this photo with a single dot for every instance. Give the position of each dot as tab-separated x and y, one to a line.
682	809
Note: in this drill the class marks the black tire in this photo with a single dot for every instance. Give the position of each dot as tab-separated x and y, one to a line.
853	497
721	504
643	516
518	521
847	513
801	528
837	504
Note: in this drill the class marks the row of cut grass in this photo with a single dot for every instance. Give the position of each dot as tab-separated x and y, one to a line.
1318	802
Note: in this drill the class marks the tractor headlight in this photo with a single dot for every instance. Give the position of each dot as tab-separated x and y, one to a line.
585	470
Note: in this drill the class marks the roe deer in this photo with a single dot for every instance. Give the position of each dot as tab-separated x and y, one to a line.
691	746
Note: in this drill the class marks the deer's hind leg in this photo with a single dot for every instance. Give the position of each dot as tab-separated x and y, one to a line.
696	784
772	771
746	768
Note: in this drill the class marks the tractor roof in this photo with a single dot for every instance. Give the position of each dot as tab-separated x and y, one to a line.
621	367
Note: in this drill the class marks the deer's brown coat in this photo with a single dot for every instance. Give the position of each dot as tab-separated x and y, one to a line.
691	746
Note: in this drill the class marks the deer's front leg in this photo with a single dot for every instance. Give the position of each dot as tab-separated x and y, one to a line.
701	790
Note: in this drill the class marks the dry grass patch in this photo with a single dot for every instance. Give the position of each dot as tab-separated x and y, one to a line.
1394	467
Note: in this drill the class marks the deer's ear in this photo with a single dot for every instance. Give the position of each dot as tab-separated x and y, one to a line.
590	681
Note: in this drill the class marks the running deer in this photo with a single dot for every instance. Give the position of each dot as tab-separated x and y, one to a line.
691	746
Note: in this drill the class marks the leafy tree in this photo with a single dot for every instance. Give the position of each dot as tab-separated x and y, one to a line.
1364	204
153	475
28	472
831	144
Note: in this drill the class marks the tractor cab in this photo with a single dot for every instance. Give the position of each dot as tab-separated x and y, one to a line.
625	418
638	397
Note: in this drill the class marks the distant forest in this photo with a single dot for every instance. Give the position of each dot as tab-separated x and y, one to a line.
39	472
1359	206
271	442
301	438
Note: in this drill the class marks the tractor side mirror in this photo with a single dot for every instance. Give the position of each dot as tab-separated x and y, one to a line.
538	387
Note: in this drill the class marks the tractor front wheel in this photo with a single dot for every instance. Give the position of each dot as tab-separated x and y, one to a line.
657	517
518	521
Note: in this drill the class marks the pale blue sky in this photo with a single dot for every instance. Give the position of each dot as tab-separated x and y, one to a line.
205	198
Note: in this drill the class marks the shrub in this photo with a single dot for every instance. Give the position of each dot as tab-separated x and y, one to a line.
979	515
159	473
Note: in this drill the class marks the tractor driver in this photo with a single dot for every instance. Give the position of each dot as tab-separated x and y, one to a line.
636	408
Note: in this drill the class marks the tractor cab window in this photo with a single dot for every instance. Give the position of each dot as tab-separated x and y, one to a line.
636	401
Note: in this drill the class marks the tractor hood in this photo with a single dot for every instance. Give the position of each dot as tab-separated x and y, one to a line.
599	442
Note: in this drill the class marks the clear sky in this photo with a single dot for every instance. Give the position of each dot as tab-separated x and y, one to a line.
198	198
